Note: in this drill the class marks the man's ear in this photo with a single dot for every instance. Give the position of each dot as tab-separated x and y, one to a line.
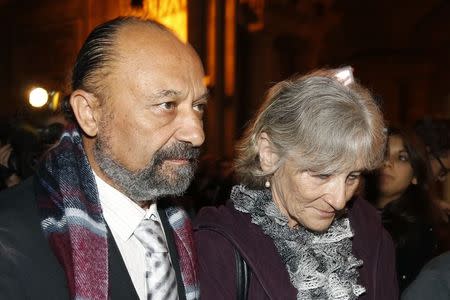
85	107
267	156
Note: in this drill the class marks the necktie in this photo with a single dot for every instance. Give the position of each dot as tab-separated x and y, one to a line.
159	275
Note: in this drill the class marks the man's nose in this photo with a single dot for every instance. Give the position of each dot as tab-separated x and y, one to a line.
190	129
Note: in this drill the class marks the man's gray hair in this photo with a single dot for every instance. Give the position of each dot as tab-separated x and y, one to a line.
322	124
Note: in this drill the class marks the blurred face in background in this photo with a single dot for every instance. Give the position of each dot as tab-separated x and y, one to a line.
440	166
397	173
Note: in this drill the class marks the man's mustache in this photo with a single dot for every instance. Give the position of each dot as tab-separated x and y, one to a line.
178	151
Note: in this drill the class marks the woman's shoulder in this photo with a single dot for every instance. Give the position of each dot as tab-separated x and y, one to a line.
224	216
368	229
364	214
219	232
227	223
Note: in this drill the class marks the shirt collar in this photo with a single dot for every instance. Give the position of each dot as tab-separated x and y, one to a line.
121	213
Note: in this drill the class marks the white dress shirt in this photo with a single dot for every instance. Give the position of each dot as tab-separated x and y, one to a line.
123	216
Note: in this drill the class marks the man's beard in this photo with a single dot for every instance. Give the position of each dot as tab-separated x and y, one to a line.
153	181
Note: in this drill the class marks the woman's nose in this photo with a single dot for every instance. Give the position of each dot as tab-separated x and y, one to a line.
338	198
387	162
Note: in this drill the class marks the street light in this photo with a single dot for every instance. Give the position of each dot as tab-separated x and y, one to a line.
38	97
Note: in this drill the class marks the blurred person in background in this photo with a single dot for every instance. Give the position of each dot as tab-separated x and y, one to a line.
23	142
400	189
52	127
8	177
433	281
213	182
20	150
435	134
293	228
211	185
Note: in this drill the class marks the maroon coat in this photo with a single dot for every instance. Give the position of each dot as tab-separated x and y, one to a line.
218	230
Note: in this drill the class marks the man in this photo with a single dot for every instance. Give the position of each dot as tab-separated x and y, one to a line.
435	134
433	281
87	226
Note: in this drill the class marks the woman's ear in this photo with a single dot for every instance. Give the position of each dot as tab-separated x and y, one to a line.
85	107
414	180
267	156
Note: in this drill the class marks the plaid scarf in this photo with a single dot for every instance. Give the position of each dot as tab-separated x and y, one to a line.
72	221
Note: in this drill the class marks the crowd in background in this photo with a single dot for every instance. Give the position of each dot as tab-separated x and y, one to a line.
23	142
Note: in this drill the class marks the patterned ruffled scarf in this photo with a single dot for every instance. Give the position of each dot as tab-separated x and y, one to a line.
72	221
320	265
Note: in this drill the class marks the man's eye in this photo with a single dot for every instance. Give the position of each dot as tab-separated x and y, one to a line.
443	173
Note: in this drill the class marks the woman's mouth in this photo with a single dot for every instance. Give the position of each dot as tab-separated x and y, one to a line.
384	177
326	214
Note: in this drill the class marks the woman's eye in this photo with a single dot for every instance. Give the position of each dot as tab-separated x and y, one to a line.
167	105
322	176
353	177
201	107
403	158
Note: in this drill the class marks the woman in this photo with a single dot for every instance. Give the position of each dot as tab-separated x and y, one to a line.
291	218
403	196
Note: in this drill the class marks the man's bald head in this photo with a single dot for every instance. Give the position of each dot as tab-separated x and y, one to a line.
99	52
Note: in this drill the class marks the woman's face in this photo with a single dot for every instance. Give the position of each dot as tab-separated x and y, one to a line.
309	199
396	174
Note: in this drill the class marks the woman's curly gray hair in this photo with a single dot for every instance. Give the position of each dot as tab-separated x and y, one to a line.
319	122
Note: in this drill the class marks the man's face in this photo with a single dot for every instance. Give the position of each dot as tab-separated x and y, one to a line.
150	127
440	166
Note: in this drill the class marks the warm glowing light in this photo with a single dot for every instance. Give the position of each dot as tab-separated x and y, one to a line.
257	8
38	97
230	51
55	97
171	13
211	39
